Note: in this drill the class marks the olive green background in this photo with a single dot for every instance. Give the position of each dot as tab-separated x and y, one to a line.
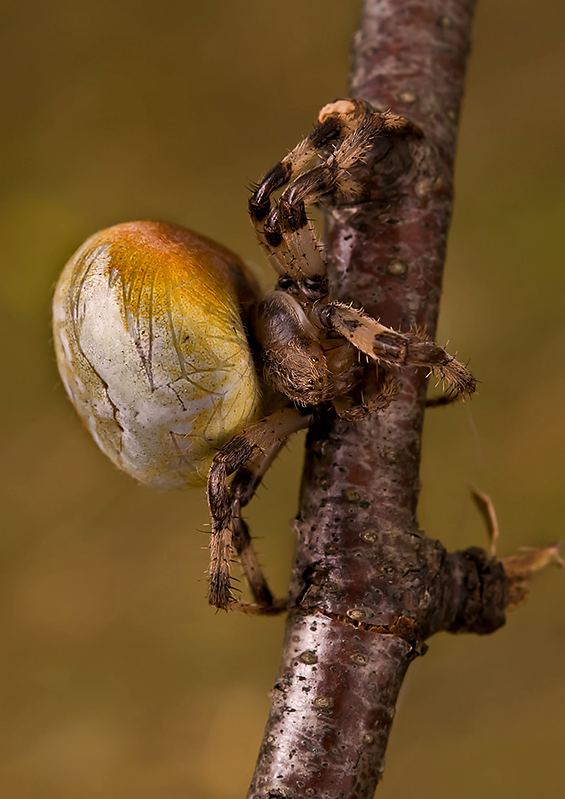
116	678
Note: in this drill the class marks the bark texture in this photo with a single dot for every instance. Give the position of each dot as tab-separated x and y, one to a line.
368	586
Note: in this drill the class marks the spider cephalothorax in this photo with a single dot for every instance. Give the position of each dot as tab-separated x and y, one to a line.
163	343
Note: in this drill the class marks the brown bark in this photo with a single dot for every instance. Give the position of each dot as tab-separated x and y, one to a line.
368	586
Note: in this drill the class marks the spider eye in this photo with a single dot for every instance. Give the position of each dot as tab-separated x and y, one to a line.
315	287
312	282
285	282
316	283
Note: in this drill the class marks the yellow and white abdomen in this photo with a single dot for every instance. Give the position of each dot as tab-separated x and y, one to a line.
152	350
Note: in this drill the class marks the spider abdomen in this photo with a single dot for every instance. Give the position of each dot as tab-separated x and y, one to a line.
152	349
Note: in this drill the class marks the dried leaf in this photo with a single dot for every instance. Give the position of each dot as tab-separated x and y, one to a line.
486	508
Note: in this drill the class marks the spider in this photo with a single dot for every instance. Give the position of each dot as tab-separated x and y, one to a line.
183	374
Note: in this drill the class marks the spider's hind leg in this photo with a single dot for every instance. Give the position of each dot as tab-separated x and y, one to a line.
248	455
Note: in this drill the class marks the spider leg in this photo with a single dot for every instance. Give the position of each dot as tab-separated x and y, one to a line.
249	562
378	393
265	222
285	231
336	121
392	348
249	454
329	130
298	245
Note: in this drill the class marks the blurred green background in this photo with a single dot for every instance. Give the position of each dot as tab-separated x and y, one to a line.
116	678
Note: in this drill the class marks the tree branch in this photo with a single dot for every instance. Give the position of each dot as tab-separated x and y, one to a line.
368	587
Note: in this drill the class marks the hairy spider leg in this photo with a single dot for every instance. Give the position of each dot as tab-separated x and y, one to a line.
335	121
282	173
270	236
299	246
243	487
392	348
379	390
264	602
252	452
286	233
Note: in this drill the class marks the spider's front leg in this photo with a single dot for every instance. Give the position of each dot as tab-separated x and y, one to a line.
248	455
346	132
395	349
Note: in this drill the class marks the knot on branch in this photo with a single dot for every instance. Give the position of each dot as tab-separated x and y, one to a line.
483	593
